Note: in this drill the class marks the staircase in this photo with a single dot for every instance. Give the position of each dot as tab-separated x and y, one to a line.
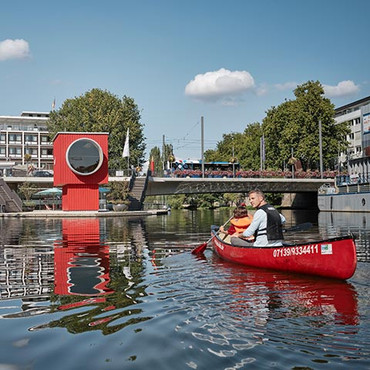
9	199
137	193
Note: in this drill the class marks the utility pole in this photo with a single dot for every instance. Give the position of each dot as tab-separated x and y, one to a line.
262	152
164	152
320	145
202	143
233	161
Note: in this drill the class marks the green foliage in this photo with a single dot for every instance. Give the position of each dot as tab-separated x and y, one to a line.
161	158
246	147
101	111
26	190
233	198
204	200
274	198
294	124
27	157
176	201
291	125
155	155
167	152
118	192
207	200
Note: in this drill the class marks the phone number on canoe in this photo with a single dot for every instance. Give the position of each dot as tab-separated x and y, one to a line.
296	251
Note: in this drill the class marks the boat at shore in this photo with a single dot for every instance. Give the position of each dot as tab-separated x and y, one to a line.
333	258
345	196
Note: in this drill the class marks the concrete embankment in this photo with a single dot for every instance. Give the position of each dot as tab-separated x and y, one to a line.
76	214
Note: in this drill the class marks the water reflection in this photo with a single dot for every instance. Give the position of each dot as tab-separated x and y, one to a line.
135	278
81	259
82	270
344	223
285	295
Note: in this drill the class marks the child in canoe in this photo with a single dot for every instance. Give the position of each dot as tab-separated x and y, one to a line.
240	221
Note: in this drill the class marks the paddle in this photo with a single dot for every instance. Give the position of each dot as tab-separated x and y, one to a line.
201	248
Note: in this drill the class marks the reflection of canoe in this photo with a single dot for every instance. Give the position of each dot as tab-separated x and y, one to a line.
335	258
288	294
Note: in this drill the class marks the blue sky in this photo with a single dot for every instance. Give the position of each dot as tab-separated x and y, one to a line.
228	61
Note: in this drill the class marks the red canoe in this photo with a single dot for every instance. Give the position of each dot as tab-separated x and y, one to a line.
334	258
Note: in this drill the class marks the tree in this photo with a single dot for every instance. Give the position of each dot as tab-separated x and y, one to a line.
101	111
27	189
246	147
167	153
295	125
155	156
118	193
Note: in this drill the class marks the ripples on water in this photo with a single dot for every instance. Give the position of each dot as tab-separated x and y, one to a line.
119	293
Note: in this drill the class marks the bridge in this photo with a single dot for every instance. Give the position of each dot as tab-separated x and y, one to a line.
299	193
170	186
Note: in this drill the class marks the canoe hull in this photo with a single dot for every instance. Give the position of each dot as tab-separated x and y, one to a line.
334	258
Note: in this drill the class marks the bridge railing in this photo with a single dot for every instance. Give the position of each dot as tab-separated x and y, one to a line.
132	172
251	174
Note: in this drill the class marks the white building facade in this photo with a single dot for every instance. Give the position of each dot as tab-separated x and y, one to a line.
357	159
22	135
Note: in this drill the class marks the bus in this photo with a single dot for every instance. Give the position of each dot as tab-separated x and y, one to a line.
193	168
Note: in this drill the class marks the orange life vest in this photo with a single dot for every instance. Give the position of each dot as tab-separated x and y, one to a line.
241	224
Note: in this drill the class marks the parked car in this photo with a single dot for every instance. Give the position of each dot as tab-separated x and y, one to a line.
43	173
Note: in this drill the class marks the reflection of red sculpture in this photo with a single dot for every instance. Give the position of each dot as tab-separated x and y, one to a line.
80	165
292	295
81	262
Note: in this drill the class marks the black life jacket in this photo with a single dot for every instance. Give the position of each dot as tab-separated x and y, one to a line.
274	229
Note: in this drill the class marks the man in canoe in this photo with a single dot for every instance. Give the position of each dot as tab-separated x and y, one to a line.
266	227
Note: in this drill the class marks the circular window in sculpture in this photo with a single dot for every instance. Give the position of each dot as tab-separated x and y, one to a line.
84	156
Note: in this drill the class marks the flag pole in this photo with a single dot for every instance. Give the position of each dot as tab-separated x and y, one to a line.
126	150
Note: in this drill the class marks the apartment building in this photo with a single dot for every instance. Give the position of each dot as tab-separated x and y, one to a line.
357	159
25	134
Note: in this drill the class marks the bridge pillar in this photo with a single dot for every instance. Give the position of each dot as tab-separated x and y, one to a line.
300	200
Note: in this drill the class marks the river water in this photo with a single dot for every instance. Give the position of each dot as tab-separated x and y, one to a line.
126	293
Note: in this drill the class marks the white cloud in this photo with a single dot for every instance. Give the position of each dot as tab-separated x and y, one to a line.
344	88
14	49
262	89
221	85
286	86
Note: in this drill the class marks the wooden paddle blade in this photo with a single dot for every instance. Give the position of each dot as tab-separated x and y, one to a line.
200	249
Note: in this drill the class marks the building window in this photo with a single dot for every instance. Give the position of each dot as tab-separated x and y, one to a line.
15	151
15	138
47	152
2	151
31	138
31	151
84	156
